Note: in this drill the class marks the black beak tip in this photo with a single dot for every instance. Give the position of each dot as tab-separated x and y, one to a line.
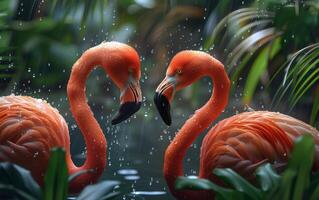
163	107
126	110
168	122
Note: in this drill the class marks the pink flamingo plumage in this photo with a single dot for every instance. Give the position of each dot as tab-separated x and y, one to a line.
30	127
242	142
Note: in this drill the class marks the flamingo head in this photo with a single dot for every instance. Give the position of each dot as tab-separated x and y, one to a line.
185	68
124	70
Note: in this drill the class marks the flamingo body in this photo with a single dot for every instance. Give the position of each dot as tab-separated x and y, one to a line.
242	142
245	141
30	127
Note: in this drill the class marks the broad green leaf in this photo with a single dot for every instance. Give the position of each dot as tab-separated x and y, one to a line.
99	190
195	184
314	179
313	189
56	176
315	194
239	183
286	183
301	160
258	68
239	68
88	6
295	179
53	6
204	184
275	47
17	182
267	177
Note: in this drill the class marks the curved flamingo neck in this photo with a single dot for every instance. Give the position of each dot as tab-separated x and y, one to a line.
93	135
202	118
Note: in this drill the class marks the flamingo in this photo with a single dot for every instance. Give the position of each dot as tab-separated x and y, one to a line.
30	127
242	142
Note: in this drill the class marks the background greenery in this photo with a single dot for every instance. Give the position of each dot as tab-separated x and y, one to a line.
269	48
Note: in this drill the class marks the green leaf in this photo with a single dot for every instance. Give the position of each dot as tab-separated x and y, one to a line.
195	184
79	173
267	177
303	85
286	183
315	194
301	160
314	181
56	177
239	183
256	40
53	6
315	109
204	184
296	75
17	182
88	6
313	189
99	190
222	24
275	47
257	69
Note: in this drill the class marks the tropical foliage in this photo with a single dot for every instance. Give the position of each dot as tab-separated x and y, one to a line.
17	182
296	182
262	41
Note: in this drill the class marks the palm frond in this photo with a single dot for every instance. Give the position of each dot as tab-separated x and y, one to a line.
315	109
240	34
244	36
301	75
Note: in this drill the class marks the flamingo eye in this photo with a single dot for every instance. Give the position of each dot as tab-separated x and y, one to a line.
179	71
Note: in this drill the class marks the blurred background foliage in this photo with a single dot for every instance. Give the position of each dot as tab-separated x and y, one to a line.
270	49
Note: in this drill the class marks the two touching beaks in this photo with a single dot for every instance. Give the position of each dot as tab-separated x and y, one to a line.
131	96
129	108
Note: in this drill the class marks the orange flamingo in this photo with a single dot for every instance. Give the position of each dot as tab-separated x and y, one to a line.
242	142
30	127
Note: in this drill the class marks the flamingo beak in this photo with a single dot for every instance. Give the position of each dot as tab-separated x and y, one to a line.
131	98
163	95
